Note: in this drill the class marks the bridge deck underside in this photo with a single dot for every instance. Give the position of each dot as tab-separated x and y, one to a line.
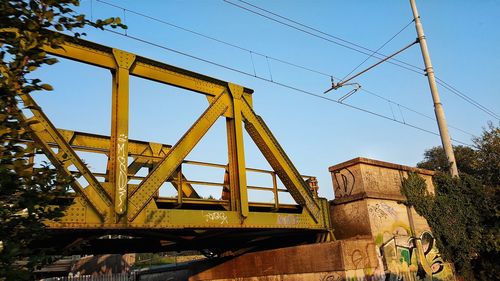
209	241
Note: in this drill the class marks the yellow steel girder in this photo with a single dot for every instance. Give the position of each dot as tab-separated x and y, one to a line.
116	203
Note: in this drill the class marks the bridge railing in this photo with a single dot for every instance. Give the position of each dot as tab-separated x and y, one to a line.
180	179
91	145
273	187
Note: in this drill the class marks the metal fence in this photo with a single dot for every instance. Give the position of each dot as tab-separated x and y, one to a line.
110	277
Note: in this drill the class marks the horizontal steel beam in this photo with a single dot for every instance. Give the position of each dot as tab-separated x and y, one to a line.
208	219
102	56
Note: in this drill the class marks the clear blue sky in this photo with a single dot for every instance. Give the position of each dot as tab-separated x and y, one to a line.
463	39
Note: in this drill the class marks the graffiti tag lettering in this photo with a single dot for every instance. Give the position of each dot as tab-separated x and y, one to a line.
220	217
381	212
122	168
288	220
344	182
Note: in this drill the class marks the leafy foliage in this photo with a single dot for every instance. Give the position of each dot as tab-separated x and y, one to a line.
488	155
464	212
482	161
435	159
26	191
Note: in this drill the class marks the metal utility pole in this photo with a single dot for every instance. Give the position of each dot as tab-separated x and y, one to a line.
438	107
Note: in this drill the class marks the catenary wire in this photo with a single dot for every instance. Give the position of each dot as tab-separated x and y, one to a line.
344	81
376	51
267	57
466	98
277	83
214	39
322	32
344	43
413	110
246	49
261	54
449	87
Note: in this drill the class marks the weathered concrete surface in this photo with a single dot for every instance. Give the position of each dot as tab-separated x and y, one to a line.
362	177
293	262
368	202
316	276
351	220
323	261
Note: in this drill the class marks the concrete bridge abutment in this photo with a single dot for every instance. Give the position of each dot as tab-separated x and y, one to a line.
378	237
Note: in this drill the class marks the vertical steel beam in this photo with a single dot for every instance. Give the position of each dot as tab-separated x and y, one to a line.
275	192
118	156
237	170
179	186
232	176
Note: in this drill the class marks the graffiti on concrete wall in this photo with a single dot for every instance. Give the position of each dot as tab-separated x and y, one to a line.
431	253
381	212
331	277
344	182
409	259
413	259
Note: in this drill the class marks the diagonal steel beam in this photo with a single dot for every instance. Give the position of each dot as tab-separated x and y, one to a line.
280	162
176	155
187	189
65	157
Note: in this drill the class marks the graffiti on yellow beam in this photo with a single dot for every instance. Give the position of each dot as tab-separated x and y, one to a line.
123	169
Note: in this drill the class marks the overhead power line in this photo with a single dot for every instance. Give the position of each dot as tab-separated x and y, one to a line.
344	80
466	98
376	51
414	111
319	72
279	83
325	36
251	52
353	46
216	39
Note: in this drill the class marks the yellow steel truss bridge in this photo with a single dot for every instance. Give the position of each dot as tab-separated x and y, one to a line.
109	205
